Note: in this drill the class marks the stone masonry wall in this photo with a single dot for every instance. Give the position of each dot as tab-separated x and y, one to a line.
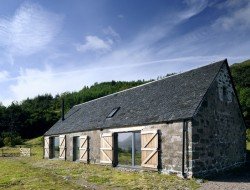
94	145
170	145
171	136
218	130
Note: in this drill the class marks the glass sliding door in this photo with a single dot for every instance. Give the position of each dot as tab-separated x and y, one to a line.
125	148
55	147
129	148
76	146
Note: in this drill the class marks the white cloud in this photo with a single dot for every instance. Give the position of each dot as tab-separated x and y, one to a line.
99	45
236	19
32	82
194	8
6	101
231	4
30	29
3	75
153	52
96	44
156	43
109	31
6	58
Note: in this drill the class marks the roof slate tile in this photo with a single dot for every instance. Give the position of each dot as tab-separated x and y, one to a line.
172	98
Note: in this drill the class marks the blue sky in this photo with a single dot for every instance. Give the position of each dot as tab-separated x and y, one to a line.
51	46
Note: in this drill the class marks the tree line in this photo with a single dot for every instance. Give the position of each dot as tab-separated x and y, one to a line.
241	76
33	117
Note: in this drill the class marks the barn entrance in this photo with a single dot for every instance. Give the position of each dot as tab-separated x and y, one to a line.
129	149
76	146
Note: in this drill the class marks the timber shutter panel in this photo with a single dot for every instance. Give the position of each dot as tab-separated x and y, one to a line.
46	147
106	150
62	146
84	149
149	148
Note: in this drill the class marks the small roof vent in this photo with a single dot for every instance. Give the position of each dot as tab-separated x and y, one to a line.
113	112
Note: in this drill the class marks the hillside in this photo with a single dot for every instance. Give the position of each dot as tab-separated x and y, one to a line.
33	117
241	77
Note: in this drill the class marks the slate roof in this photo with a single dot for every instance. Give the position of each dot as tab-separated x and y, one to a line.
172	98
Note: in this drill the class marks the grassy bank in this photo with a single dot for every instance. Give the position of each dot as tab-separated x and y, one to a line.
37	173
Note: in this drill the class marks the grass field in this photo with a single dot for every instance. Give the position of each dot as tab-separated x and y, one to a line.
36	173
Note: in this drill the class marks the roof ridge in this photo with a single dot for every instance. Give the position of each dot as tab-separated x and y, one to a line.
217	62
170	99
223	62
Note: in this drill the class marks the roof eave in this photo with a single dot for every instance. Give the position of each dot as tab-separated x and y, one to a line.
112	127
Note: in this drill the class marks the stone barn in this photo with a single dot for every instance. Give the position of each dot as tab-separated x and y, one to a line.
189	123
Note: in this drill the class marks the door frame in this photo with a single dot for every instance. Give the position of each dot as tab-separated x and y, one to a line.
116	154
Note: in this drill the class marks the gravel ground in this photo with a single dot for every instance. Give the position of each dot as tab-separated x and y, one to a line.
236	180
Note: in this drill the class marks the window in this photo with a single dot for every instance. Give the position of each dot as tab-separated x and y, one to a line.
55	147
76	146
129	149
113	112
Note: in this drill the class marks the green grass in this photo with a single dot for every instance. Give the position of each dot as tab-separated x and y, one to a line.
37	173
8	151
98	179
36	142
19	174
248	146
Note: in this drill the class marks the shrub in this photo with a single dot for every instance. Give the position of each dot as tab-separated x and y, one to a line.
11	139
7	141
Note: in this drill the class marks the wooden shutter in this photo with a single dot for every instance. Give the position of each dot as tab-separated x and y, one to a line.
62	146
84	148
149	148
106	149
46	147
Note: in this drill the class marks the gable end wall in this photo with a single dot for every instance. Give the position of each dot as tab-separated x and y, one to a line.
218	129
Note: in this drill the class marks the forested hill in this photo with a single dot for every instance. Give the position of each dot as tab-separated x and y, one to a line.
32	117
241	77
